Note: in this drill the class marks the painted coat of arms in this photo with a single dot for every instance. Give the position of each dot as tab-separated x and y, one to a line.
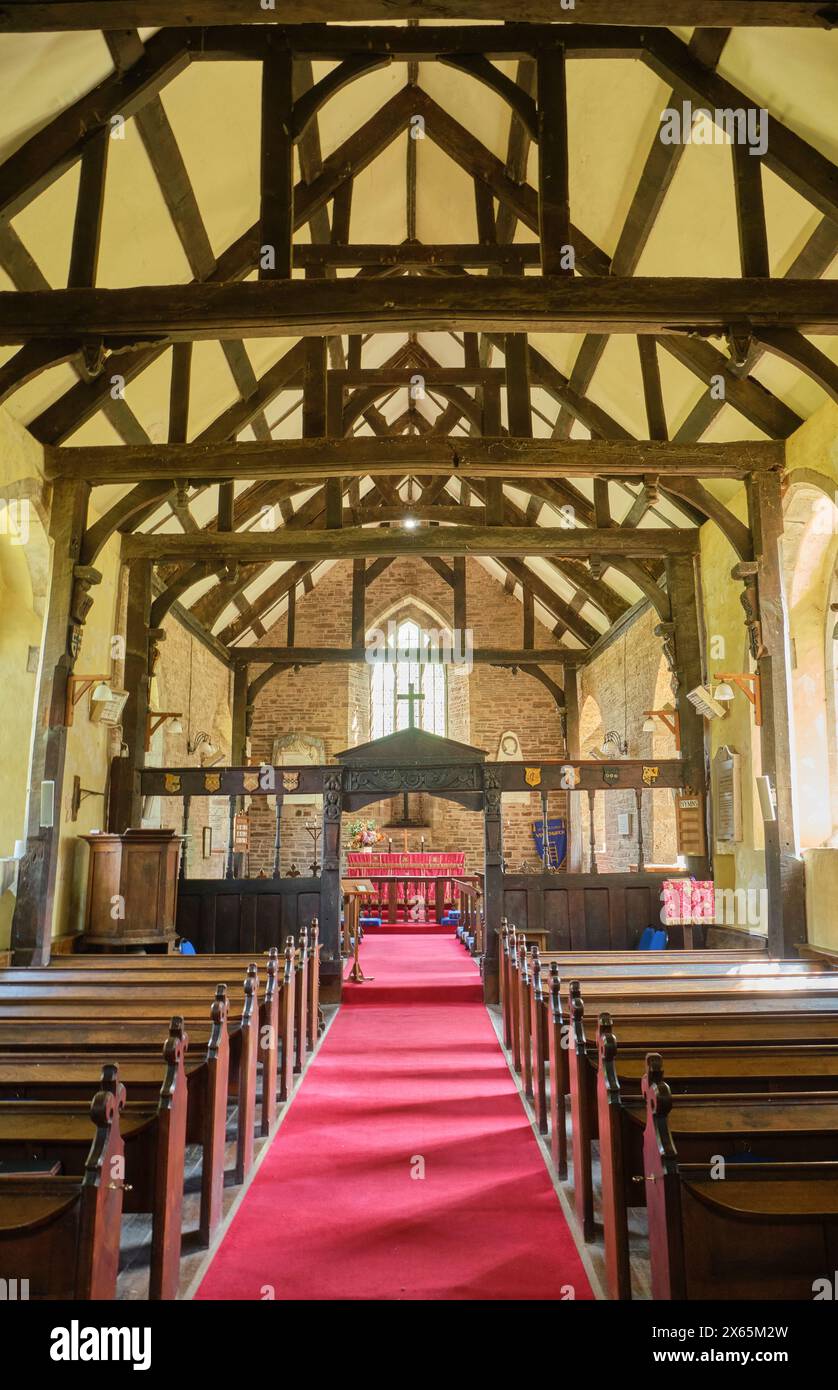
532	776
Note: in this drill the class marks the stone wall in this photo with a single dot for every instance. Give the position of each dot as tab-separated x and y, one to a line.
629	677
333	704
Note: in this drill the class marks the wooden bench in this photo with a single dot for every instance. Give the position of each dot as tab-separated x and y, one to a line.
530	1021
154	1145
791	1125
61	1233
749	1066
768	1231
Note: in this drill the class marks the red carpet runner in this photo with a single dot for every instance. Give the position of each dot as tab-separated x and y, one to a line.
409	1077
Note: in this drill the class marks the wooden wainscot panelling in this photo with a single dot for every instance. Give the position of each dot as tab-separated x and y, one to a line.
245	915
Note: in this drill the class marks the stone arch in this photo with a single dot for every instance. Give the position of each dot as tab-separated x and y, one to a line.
810	561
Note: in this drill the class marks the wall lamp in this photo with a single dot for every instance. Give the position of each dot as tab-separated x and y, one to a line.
77	688
155	718
670	717
750	685
201	739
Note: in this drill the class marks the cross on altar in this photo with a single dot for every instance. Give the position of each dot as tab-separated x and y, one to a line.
412	699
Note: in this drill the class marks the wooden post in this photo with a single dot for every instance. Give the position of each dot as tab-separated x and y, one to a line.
783	867
87	229
330	894
187	802
593	867
574	799
750	212
230	869
682	580
460	599
545	828
277	168
277	838
238	748
518	404
553	187
68	605
641	854
359	598
492	881
128	808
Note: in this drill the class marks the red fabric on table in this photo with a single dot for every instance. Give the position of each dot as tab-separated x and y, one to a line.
417	1073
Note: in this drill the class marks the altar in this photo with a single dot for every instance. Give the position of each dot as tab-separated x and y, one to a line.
419	886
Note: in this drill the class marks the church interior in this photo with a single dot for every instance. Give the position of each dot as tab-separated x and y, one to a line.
419	646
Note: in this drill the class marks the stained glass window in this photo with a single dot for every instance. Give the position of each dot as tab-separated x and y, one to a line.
409	664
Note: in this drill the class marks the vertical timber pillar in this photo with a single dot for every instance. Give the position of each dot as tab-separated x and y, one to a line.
682	647
492	882
784	876
574	799
127	803
330	894
66	611
238	742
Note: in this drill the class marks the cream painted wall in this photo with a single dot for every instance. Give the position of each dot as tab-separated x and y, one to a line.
813	452
24	583
22	580
740	865
812	449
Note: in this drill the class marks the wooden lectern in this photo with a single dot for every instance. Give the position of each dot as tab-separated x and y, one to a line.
132	890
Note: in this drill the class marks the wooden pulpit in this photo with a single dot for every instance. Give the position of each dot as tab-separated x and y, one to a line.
132	890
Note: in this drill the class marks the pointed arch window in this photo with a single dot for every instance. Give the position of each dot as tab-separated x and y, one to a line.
410	664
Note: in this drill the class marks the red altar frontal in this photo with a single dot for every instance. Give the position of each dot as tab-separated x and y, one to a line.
418	886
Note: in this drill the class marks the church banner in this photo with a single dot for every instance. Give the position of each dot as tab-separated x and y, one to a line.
557	833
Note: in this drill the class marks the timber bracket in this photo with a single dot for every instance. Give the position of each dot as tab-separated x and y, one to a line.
84	578
666	632
747	572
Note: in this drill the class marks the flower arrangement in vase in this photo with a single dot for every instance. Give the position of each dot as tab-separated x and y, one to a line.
365	835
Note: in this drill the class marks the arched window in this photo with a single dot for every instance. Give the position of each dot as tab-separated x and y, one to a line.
408	664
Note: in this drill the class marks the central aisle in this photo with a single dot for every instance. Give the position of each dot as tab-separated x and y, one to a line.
410	1077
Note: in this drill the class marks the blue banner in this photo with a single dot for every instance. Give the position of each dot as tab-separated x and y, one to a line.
557	839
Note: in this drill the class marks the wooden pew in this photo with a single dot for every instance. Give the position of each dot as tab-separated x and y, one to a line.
58	1065
154	1144
767	1231
792	1125
139	968
750	1066
110	982
62	1233
531	1024
514	946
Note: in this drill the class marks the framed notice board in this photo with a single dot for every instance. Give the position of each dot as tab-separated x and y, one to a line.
690	823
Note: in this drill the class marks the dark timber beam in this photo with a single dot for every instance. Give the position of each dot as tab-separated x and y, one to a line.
336	656
553	164
504	457
314	308
352	543
35	16
276	208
